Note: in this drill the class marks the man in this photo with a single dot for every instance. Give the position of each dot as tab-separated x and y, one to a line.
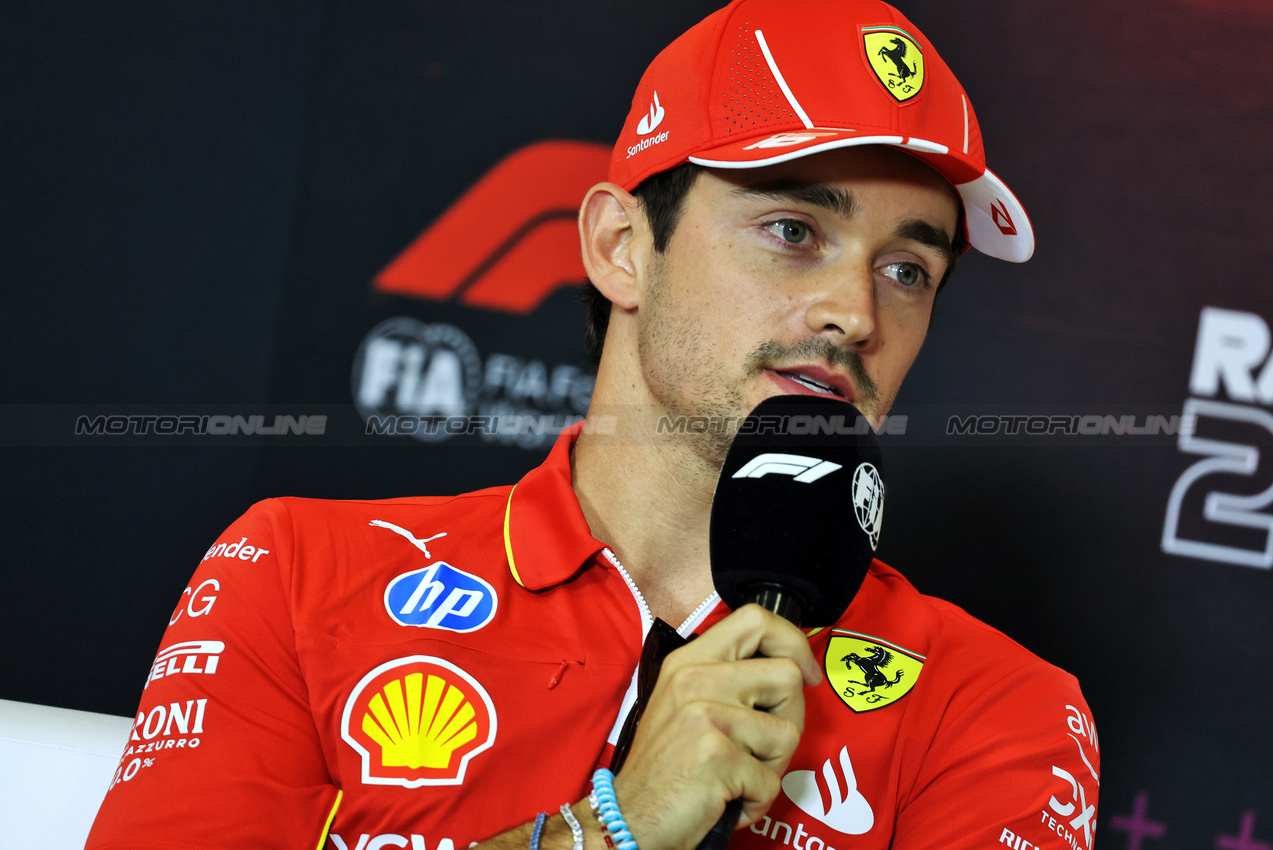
791	189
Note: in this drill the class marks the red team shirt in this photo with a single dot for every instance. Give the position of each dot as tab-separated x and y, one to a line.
426	673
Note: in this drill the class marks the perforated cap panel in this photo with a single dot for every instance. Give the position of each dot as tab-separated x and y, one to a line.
752	97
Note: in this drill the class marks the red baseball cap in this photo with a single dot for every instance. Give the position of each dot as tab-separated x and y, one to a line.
765	81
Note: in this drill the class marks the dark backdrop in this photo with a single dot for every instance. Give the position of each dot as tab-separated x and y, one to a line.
197	202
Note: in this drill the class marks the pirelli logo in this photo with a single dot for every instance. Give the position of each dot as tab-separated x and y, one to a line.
187	657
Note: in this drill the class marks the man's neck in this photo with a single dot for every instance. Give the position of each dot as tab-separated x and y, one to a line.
649	496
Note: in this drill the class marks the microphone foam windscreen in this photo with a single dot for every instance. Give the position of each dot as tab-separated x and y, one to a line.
799	503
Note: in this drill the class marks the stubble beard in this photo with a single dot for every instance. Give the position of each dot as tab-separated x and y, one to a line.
688	381
684	377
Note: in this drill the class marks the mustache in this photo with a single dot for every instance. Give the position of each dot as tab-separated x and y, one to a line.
773	352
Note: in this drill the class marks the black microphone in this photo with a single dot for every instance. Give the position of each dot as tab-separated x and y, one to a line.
795	519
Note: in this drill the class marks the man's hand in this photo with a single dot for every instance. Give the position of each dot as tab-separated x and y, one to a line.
722	724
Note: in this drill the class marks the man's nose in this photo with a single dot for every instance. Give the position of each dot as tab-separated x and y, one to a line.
842	307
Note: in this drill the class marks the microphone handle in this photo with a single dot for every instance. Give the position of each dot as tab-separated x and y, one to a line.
717	838
781	601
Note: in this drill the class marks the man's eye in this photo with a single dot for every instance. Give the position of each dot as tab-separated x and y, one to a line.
907	274
790	230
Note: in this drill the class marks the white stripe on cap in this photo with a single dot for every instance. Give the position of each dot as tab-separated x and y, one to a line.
964	98
782	84
798	153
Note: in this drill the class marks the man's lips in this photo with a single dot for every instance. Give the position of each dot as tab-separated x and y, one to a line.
812	380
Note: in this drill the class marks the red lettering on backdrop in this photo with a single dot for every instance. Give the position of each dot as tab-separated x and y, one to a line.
510	241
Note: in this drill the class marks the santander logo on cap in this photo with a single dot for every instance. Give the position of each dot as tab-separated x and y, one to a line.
647	125
648	129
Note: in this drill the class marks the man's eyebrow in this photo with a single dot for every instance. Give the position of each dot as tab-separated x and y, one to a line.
926	233
838	201
842	203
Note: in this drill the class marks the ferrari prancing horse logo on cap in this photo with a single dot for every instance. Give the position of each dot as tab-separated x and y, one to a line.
896	59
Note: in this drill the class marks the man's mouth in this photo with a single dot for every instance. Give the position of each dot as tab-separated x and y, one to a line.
813	384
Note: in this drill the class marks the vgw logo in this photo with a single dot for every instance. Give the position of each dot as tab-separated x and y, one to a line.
1203	520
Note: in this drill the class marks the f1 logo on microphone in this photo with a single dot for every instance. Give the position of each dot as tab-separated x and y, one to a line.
801	468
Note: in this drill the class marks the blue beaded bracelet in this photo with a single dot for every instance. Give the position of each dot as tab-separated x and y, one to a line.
539	829
606	807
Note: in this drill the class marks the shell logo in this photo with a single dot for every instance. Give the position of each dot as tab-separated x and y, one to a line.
417	721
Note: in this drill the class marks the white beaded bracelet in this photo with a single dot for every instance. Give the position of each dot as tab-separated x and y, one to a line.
576	830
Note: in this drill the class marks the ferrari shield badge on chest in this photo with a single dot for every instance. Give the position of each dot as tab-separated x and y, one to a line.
868	673
896	59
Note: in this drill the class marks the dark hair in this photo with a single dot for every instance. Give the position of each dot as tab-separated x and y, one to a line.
662	198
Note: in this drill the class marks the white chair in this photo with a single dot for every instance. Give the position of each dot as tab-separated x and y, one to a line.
55	766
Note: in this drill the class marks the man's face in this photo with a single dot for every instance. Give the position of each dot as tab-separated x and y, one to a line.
814	277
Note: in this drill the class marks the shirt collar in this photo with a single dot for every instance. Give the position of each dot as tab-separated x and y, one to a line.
546	538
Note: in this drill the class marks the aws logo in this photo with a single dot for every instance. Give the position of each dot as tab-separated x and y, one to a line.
511	240
417	721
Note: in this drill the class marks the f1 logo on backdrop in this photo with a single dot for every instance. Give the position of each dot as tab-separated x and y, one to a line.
1204	521
511	240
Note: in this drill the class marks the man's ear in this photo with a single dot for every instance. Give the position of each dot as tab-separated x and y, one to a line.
611	236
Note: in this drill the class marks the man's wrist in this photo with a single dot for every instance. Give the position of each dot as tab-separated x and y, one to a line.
594	836
557	834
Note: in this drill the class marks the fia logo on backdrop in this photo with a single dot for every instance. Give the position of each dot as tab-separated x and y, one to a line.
1218	509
